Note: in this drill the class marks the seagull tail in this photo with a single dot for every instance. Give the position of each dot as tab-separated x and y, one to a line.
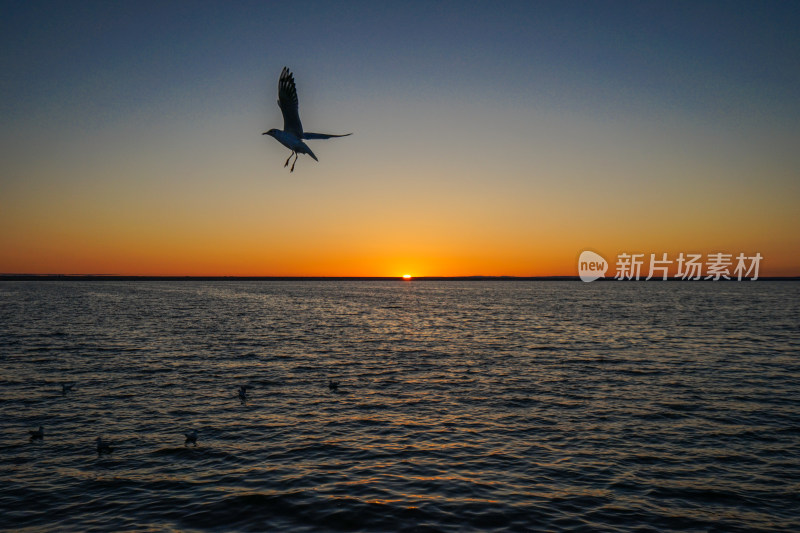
312	154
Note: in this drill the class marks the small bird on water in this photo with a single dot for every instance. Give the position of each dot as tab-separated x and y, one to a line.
292	135
37	433
333	385
243	393
103	447
191	438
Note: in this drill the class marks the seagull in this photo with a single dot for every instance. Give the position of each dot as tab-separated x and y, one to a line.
292	134
37	434
333	385
191	438
103	447
243	393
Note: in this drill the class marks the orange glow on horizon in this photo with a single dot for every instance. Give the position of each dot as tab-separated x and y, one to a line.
246	234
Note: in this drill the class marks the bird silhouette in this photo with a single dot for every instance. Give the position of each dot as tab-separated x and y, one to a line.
191	438
292	135
37	434
103	447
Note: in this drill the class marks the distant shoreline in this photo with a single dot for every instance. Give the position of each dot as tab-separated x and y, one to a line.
94	277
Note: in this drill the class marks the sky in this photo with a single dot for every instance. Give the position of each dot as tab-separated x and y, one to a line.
488	138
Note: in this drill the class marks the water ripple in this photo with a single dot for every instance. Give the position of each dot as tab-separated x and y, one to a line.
507	406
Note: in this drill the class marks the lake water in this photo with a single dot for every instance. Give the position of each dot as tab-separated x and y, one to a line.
474	405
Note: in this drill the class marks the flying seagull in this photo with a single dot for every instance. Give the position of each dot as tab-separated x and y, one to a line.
292	134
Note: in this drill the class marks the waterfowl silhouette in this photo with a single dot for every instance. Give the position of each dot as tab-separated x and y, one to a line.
333	385
191	438
37	434
103	447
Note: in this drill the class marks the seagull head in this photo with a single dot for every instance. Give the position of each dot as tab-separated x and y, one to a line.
271	132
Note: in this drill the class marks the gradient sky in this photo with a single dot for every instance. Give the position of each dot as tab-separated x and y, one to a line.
488	138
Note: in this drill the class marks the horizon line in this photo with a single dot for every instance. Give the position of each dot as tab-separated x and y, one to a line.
134	277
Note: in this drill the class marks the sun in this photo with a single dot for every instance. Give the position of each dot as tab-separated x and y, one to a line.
407	277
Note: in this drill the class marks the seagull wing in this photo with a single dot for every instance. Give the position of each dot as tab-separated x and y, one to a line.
309	135
287	100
